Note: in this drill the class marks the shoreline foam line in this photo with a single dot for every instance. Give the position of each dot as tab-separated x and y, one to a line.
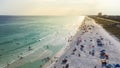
63	50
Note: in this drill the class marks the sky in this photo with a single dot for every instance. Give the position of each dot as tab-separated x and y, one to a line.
59	7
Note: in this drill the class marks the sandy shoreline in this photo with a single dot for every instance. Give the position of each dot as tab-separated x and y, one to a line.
56	57
88	35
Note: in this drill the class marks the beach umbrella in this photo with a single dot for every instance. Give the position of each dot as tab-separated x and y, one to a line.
109	65
117	65
102	51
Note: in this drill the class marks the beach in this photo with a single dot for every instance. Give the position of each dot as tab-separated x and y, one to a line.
80	47
85	48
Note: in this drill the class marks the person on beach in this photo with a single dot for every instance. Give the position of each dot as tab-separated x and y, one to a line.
99	43
93	52
54	66
78	41
104	63
95	67
102	55
74	50
106	56
64	61
91	40
89	52
67	66
78	55
81	47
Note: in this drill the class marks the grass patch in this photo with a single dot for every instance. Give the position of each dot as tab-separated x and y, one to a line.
109	25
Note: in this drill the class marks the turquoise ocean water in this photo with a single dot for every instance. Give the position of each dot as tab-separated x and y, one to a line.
25	35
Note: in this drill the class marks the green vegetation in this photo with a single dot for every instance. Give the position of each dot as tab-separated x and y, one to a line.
111	26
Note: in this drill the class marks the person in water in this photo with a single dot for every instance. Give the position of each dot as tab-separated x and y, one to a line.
29	48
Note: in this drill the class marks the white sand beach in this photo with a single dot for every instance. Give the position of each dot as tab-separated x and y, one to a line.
84	50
